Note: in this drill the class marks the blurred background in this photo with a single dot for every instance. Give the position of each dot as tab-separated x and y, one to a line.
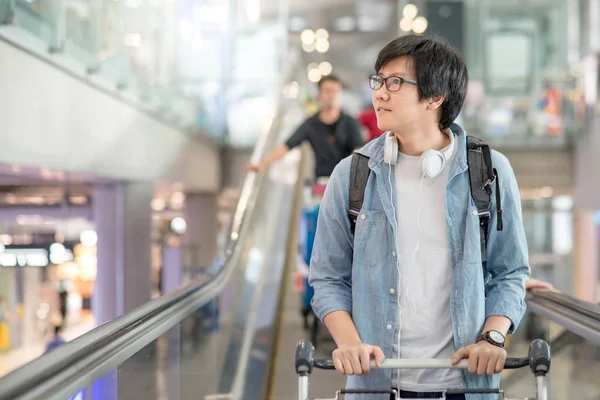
125	130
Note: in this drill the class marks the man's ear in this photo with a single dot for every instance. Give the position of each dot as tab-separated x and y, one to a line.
435	103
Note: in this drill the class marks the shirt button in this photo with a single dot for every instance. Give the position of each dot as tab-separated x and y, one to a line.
363	216
389	327
475	212
393	254
392	291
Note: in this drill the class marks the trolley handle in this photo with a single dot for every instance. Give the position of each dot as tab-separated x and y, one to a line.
404	363
538	360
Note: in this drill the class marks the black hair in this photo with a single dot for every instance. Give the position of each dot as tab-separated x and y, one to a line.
439	70
329	78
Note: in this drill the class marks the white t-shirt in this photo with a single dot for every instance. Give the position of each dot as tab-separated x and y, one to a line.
425	283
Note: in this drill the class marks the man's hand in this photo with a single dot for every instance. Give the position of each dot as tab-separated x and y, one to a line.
535	284
254	168
484	358
355	359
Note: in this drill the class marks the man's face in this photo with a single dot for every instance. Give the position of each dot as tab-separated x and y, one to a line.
397	111
330	95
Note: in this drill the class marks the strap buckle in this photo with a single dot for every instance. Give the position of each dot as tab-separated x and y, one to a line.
484	217
487	186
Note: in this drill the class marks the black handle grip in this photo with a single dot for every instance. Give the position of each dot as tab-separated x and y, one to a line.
473	391
539	357
514	363
304	357
324	364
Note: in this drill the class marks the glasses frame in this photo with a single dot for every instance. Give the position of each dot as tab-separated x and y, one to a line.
386	81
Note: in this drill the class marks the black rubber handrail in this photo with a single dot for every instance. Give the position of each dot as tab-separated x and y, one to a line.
586	308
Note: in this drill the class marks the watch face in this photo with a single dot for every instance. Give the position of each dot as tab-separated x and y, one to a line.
496	337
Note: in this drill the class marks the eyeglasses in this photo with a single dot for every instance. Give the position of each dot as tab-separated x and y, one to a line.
392	83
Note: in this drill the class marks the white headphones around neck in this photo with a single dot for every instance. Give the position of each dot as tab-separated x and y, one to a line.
432	161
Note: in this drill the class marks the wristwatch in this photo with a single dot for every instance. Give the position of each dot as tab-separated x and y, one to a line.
493	337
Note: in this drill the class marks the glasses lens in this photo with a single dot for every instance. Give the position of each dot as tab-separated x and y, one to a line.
394	84
375	82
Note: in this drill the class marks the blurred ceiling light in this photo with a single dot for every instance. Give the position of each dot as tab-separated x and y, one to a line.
406	24
88	238
34	200
314	75
322	45
178	225
177	200
133	40
325	68
307	36
308	47
419	25
321	34
345	24
78	200
253	11
158	204
410	11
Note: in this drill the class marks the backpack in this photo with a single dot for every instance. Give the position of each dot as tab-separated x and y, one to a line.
482	176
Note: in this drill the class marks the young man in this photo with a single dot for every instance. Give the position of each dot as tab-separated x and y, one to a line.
410	281
332	134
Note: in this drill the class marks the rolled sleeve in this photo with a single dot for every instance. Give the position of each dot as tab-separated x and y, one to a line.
331	261
508	260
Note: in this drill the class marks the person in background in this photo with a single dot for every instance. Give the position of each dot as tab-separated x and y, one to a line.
57	340
63	295
332	134
368	119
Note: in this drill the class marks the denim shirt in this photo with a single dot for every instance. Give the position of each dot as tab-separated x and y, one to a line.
355	273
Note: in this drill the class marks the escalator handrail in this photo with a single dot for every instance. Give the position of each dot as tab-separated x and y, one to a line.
44	367
575	315
586	308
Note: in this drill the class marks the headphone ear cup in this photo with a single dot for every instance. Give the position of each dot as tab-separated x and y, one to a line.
432	163
390	150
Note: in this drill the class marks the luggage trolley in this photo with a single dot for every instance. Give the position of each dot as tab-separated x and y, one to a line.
538	361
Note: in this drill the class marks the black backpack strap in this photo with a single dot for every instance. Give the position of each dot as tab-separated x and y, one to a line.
359	174
482	176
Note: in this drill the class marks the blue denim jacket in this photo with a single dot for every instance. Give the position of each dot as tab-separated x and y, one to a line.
355	274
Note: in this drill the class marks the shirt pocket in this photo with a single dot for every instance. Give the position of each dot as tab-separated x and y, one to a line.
370	238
